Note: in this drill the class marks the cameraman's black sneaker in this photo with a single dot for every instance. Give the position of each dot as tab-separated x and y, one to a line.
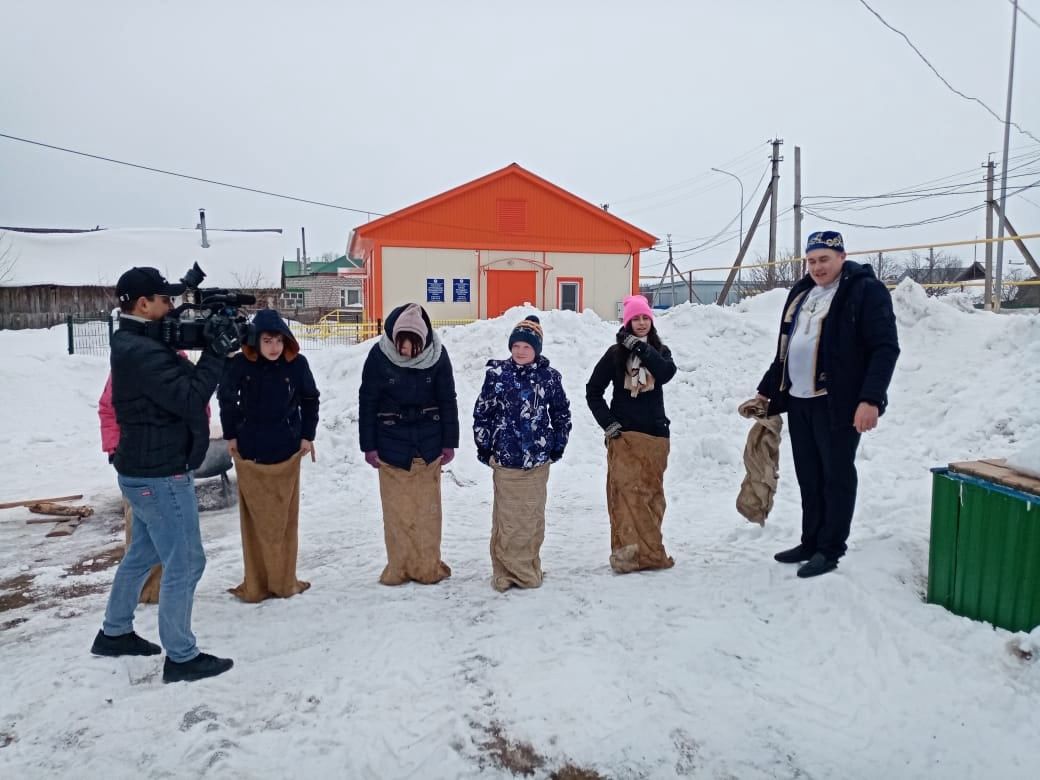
198	668
124	644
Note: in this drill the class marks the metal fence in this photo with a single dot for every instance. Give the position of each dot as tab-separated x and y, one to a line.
91	336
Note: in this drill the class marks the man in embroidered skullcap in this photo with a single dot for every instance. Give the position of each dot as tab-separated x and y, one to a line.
835	356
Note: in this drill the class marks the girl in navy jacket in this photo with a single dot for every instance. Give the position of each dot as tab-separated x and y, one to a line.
269	413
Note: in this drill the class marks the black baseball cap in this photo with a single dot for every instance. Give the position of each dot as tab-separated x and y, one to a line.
146	282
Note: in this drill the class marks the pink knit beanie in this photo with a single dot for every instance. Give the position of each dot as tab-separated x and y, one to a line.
633	306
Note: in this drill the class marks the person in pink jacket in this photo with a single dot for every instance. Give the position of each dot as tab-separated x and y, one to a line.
109	442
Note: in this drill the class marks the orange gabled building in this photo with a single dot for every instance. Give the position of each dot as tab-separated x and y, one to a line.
506	239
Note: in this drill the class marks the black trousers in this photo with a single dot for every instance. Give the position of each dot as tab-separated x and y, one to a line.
825	464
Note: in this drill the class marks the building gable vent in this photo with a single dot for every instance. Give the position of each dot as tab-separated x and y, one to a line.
512	216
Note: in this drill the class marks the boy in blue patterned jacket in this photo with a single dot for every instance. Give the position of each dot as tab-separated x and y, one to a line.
521	423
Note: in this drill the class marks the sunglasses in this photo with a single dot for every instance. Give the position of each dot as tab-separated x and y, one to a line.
164	298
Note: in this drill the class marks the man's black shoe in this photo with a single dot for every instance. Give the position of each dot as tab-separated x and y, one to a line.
817	565
198	668
124	644
794	555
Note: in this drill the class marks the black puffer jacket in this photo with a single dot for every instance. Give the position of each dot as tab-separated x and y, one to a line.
645	412
407	412
160	402
268	406
858	346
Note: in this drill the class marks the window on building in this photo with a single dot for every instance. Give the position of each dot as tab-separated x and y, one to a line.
569	295
292	298
350	296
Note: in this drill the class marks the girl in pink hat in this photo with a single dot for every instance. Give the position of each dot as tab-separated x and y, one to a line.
635	431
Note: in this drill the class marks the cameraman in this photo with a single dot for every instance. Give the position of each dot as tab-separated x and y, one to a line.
160	401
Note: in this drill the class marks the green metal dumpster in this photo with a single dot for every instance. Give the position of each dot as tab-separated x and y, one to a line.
984	552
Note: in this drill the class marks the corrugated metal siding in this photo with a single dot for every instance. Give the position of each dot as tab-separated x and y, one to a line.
996	556
472	220
942	555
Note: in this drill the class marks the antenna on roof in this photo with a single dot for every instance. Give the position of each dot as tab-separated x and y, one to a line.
202	226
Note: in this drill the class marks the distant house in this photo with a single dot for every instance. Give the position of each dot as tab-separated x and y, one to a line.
665	294
310	290
944	275
46	275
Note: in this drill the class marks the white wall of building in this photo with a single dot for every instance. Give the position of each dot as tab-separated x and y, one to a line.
606	278
407	269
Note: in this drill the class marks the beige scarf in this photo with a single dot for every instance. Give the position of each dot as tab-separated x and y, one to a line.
637	378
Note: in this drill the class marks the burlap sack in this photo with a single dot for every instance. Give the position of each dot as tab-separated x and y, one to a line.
269	512
150	591
412	523
761	462
635	501
518	526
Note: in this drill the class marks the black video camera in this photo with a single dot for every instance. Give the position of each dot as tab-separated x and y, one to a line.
215	305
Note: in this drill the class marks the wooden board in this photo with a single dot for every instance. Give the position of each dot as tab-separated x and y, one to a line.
995	470
12	504
66	527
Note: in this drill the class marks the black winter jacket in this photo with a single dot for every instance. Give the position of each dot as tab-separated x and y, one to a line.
268	406
407	412
858	346
645	412
160	403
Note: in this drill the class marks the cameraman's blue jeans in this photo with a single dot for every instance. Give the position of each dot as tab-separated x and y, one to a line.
166	531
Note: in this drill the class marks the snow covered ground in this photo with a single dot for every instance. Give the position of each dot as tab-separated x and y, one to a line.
726	666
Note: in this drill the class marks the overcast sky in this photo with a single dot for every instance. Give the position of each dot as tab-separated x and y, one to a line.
375	105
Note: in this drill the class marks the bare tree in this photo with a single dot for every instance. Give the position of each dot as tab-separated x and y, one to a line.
757	279
1008	290
8	259
885	268
933	268
251	279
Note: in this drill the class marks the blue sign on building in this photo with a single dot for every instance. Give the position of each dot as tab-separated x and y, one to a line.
434	290
460	290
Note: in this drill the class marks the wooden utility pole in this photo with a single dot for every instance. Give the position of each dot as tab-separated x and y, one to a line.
670	271
1004	164
744	247
987	297
774	186
798	249
1026	254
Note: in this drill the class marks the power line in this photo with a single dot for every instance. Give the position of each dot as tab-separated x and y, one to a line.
1022	11
949	86
904	198
368	212
930	221
679	185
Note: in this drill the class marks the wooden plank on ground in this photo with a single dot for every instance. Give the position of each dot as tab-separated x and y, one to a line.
996	471
27	502
66	527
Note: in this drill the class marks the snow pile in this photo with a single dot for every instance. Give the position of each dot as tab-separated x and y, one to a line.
725	666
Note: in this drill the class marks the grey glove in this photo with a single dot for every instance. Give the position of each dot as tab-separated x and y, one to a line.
221	335
612	431
633	343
